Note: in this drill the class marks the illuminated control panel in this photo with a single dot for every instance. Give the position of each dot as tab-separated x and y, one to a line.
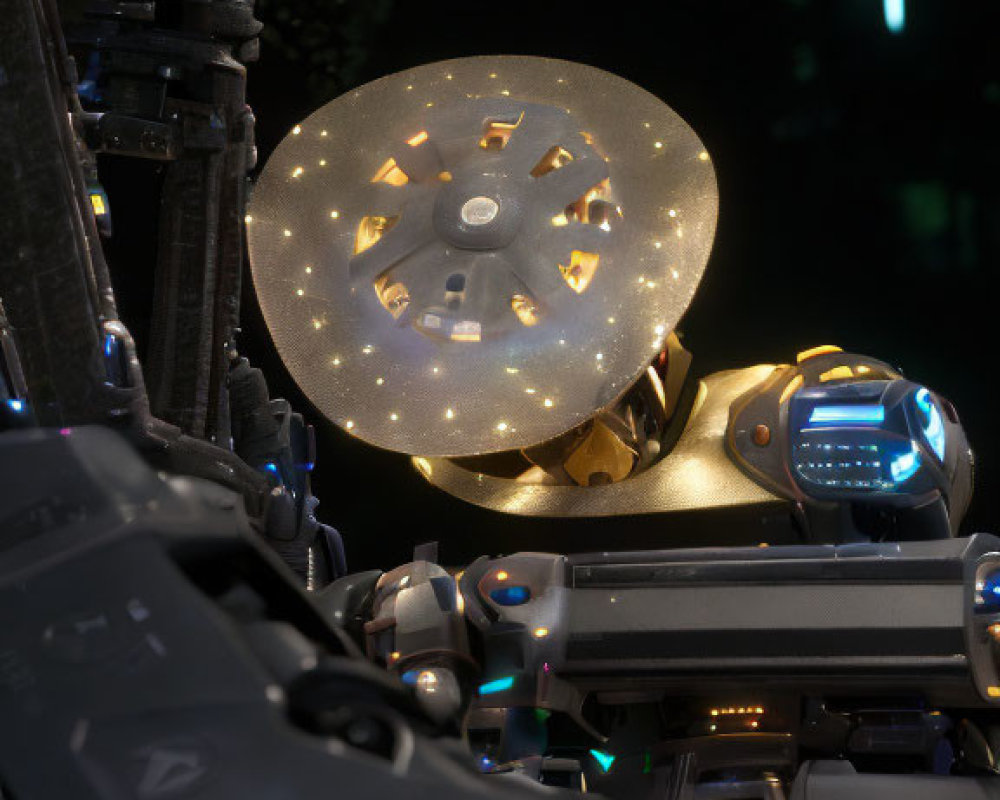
880	436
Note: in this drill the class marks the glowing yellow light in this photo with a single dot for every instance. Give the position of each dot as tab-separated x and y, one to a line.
502	426
715	712
449	413
379	381
505	92
754	724
429	105
297	171
444	176
447	77
645	124
599	356
502	575
427	680
993	691
812	352
529	390
435	370
674	274
390	173
394	416
322	162
703	156
611	320
759	710
657	245
317	324
512	370
672	212
493	74
322	133
541	633
394	656
286	233
336	361
300	292
349	424
417	140
713	727
248	219
658	145
309	270
548	402
659	330
296	130
334	215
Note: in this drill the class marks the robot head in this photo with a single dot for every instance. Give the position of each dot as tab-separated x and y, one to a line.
482	255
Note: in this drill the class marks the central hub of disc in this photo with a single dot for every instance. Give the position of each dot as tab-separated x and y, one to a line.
479	210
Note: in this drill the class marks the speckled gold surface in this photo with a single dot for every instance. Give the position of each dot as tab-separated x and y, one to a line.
398	388
696	474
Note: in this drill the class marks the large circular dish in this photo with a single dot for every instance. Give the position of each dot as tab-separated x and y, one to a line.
477	255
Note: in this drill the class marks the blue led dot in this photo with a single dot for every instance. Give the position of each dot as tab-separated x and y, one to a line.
511	595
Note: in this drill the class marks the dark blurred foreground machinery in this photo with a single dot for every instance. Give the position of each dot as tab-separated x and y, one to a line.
155	644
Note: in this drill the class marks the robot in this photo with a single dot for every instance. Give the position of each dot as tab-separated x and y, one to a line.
482	264
488	276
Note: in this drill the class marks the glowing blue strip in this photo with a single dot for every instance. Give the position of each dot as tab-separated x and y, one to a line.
17	406
109	343
499	685
848	415
895	15
905	466
604	759
934	432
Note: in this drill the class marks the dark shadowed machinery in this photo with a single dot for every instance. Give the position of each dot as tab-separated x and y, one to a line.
482	264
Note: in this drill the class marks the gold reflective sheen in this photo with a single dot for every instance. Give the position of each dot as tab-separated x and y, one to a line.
649	226
696	474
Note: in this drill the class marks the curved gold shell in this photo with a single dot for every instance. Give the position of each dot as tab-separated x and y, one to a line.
696	474
367	238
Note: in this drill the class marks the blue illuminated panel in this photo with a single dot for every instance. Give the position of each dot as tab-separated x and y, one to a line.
932	425
499	685
847	415
511	595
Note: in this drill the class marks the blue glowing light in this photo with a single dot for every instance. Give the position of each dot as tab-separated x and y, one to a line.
848	415
109	344
270	466
934	427
409	677
17	406
904	466
604	759
499	685
895	15
511	595
990	593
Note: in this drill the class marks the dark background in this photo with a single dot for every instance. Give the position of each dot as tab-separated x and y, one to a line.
858	173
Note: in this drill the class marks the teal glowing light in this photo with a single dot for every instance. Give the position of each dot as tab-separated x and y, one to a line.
934	426
895	15
904	466
499	685
847	415
605	760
